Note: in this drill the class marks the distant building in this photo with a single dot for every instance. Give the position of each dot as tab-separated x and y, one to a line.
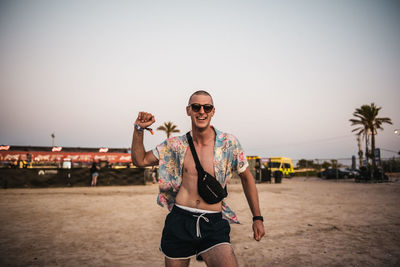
39	155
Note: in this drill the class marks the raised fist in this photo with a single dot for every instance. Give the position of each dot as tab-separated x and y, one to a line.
145	119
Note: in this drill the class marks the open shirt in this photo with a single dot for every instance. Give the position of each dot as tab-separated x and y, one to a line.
228	157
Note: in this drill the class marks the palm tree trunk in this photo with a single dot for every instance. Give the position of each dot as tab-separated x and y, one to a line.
366	149
373	150
360	153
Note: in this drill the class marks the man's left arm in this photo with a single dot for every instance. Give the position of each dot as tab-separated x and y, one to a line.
250	190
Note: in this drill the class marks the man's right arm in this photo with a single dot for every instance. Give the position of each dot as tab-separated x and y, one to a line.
140	157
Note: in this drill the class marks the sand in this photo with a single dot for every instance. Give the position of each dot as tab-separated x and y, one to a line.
309	221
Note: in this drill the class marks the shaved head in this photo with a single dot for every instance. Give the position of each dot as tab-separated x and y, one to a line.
201	92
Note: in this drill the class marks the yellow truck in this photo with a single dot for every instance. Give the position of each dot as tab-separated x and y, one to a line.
282	164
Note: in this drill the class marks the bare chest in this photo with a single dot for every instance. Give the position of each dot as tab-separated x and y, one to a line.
206	157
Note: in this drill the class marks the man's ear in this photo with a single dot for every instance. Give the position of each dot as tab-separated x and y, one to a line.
213	112
188	110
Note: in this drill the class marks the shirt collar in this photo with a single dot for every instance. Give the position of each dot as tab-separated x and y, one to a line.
219	137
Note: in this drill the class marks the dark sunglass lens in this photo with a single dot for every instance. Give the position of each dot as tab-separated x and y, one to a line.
208	108
196	107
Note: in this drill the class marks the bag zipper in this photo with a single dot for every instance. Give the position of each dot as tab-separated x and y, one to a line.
212	191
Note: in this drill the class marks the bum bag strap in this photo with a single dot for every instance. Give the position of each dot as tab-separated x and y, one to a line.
195	157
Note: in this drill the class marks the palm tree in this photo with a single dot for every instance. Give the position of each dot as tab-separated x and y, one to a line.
363	130
369	124
168	128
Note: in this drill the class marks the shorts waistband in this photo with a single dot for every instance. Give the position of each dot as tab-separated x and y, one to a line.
211	216
194	210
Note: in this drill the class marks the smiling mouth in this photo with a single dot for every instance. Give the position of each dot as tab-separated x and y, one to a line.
201	119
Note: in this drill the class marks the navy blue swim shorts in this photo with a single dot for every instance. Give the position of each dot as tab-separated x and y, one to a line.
187	233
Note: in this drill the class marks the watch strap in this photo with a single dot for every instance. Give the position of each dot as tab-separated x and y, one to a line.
260	218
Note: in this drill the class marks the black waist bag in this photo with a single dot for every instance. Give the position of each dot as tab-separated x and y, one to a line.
209	188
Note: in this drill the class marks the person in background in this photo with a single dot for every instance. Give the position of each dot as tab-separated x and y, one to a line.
94	172
154	174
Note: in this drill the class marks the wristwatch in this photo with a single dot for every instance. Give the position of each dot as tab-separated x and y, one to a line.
255	218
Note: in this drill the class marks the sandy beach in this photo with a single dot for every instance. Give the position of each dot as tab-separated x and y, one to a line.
309	222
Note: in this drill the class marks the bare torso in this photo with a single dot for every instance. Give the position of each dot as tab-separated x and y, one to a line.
188	194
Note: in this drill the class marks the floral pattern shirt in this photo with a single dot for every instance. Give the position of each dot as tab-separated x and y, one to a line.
228	157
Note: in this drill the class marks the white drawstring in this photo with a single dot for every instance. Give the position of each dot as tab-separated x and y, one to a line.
198	233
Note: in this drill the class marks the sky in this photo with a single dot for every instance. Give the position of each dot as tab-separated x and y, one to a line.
285	76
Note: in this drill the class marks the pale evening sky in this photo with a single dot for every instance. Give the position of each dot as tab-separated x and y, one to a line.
286	76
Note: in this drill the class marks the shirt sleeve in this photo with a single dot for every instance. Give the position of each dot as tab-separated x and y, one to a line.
239	158
156	151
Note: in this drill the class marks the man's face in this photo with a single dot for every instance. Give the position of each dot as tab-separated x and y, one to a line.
200	119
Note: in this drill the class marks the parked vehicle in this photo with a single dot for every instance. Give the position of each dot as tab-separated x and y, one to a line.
367	175
353	173
281	164
334	173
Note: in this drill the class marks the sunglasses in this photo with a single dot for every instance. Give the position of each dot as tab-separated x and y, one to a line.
207	107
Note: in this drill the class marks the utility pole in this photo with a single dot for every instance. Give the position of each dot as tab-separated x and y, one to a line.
52	139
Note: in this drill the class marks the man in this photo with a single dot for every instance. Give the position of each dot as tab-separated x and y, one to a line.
195	227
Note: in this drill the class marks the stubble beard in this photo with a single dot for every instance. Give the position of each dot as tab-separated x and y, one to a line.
198	128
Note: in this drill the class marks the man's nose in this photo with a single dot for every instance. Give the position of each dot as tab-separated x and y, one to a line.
202	110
